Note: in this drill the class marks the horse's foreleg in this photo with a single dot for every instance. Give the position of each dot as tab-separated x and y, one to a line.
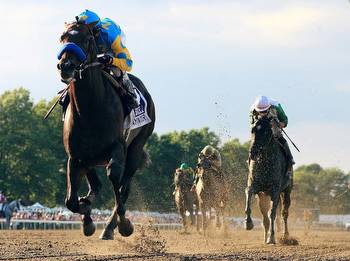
190	209
85	202
285	207
203	209
275	200
249	197
115	171
94	188
74	175
264	205
73	183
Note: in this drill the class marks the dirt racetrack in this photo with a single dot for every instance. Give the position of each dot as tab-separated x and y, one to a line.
148	244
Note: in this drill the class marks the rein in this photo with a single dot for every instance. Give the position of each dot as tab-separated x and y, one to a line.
63	92
83	57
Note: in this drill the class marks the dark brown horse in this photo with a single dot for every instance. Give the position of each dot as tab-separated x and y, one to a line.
210	193
93	133
185	198
267	178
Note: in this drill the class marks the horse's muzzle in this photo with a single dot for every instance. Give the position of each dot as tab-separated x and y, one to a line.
66	69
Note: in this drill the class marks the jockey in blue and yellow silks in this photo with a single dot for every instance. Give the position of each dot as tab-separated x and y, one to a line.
110	40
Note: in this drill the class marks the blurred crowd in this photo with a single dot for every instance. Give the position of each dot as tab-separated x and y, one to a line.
62	214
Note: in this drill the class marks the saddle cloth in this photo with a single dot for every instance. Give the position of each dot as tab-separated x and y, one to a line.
137	117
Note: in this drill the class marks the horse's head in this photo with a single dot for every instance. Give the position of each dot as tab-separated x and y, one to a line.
261	135
204	162
181	179
79	48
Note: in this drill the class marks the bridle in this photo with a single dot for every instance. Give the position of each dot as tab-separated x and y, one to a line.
86	61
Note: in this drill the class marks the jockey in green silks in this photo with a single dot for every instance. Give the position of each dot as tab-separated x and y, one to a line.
264	106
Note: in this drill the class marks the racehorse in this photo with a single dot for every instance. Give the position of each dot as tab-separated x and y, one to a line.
8	209
185	197
93	133
210	193
267	178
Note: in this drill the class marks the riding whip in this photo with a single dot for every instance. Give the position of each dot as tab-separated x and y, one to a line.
295	146
63	92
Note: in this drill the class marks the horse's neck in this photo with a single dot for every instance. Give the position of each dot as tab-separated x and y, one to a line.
12	205
88	92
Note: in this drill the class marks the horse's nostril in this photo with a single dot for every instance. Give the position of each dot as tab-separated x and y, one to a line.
59	66
66	65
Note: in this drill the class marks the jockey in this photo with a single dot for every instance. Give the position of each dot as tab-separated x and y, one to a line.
3	200
185	169
214	157
110	40
265	106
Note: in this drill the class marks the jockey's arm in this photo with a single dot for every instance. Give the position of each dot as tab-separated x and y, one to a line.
281	115
116	39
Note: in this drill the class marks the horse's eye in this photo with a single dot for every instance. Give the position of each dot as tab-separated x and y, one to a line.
258	127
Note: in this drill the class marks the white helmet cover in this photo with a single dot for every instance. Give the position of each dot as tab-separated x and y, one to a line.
262	103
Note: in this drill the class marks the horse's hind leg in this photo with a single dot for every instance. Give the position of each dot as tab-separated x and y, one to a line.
136	158
115	170
264	205
285	207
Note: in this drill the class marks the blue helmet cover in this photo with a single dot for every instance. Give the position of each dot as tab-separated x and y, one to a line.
74	48
89	17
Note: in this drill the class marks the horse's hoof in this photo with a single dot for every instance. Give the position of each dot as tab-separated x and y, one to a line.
126	228
107	234
271	241
249	225
89	229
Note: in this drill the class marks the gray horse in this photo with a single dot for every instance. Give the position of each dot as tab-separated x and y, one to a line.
8	209
267	178
210	194
185	197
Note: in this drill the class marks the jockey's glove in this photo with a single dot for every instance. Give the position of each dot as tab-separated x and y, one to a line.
105	59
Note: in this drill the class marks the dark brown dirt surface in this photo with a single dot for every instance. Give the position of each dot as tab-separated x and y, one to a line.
148	244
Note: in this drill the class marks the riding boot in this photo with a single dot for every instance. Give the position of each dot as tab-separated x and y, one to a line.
131	97
64	103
